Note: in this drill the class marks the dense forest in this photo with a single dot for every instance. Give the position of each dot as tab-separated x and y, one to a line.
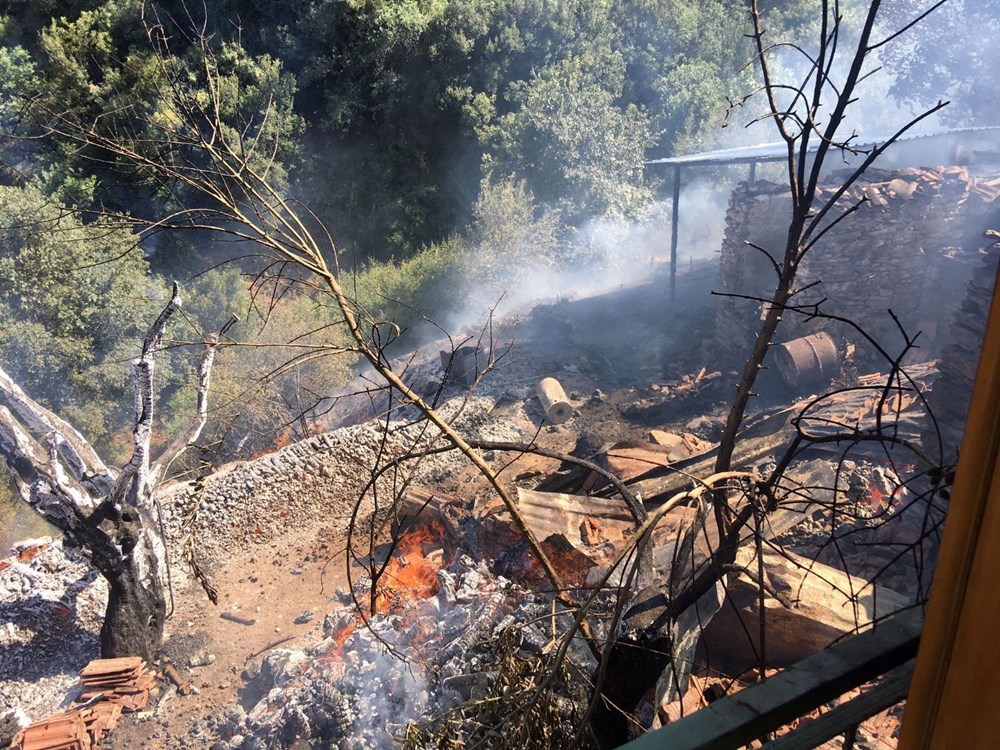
437	140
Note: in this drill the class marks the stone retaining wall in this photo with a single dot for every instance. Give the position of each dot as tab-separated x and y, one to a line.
315	480
952	390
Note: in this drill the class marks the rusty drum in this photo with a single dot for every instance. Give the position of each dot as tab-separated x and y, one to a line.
809	360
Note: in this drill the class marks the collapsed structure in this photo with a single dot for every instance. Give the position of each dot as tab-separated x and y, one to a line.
916	242
643	403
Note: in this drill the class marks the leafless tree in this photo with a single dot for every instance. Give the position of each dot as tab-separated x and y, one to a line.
809	116
226	166
111	514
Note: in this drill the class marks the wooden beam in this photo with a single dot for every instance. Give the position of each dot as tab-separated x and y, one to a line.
847	715
749	714
955	696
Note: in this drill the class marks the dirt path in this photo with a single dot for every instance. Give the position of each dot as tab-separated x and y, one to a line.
271	584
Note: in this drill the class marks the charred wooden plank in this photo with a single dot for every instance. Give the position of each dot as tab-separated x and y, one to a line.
237	619
183	684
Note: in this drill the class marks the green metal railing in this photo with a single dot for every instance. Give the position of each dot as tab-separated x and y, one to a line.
885	652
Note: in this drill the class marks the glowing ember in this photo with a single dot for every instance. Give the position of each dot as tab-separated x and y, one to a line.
877	499
339	638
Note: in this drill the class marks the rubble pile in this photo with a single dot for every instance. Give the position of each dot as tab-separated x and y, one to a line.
367	682
429	636
124	682
109	687
51	607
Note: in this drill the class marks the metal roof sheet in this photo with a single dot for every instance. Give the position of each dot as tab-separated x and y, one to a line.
778	151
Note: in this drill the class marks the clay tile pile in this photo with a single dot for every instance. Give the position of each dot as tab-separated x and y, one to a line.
123	681
116	685
60	732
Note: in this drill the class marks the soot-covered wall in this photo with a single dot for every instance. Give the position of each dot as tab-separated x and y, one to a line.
912	248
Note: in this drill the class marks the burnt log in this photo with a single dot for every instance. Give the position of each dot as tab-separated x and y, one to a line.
554	401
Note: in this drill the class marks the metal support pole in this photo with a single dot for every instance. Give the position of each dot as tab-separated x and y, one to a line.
753	173
673	233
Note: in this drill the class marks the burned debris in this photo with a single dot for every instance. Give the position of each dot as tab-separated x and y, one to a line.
108	687
918	237
451	624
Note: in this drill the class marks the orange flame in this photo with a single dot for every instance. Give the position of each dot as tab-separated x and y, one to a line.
410	574
339	639
876	498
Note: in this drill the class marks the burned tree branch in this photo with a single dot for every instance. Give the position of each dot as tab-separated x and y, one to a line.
246	204
190	435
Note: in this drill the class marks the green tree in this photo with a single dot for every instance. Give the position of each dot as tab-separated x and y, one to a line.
102	66
576	147
273	369
18	76
965	73
683	60
75	298
513	240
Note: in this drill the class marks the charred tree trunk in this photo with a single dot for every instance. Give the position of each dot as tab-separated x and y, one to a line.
136	612
110	514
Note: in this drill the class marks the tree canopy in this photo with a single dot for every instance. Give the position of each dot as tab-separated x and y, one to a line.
427	134
74	305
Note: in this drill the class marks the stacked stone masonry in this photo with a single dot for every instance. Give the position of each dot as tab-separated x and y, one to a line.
952	390
911	248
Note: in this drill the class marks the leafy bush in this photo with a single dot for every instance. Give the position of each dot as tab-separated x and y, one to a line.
283	356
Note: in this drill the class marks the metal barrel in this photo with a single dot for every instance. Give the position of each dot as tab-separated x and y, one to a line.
808	360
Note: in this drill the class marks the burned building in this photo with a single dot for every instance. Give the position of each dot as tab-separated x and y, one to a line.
913	245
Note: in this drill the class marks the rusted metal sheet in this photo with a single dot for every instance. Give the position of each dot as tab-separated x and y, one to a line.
548	513
634	458
592	523
420	503
631	459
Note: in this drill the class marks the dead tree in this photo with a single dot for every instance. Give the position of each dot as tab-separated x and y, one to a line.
809	116
111	514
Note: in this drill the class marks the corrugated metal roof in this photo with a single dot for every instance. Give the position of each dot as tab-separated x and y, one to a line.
779	151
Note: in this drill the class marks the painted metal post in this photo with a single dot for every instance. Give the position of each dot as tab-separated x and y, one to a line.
673	233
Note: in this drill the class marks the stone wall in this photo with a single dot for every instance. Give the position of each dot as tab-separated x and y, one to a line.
911	248
952	390
317	480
